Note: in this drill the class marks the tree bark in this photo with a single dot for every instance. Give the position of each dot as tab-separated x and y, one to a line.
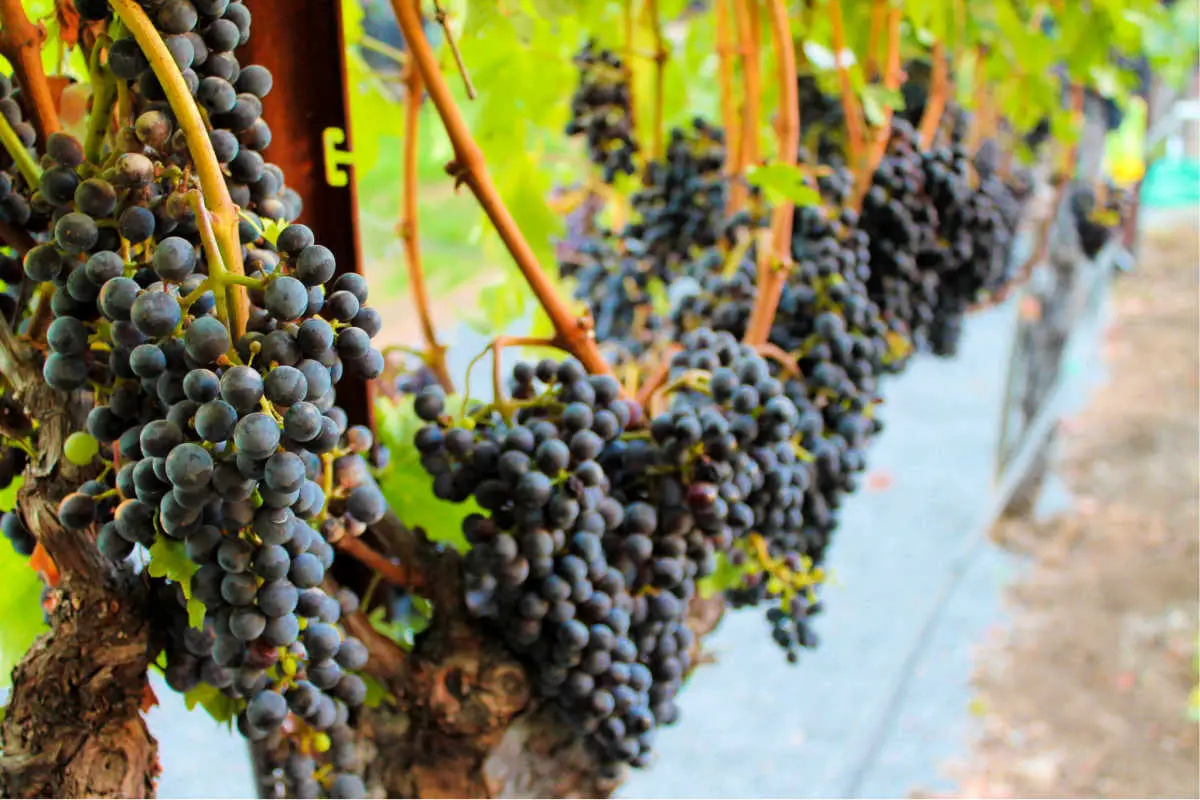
466	723
73	727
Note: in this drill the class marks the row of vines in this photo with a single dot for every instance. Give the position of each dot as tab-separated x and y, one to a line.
732	222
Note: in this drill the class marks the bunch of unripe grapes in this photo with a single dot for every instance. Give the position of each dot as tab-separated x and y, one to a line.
600	111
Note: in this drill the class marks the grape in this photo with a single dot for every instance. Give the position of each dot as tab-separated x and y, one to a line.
215	421
256	435
256	80
76	232
117	297
68	336
136	224
80	448
95	197
189	466
43	263
286	298
201	385
247	623
242	388
302	422
315	265
267	710
76	511
58	185
65	373
174	259
306	571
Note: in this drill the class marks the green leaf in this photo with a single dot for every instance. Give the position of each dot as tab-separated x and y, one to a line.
221	708
405	483
8	497
725	577
784	182
876	98
410	617
20	605
169	559
377	693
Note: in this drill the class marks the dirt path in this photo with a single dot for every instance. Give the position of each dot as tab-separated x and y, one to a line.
1085	695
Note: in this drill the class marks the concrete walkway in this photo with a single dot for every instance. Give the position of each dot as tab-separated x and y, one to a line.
883	703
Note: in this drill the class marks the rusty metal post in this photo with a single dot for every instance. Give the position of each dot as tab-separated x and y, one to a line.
309	98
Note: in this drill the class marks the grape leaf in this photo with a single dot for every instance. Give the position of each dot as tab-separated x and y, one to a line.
20	602
410	617
220	707
784	182
169	560
726	576
377	693
406	485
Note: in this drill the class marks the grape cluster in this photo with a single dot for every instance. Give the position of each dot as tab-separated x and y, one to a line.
902	227
229	449
1097	215
14	192
600	111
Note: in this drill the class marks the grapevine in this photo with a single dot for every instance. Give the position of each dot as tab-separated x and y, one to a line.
173	338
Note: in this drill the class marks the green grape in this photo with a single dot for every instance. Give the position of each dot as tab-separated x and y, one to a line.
80	448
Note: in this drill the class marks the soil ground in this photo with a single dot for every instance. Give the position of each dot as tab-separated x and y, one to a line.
1085	694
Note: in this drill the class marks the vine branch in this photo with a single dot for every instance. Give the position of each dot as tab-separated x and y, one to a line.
725	76
878	13
21	43
435	353
850	106
773	267
891	82
207	168
748	141
395	574
938	91
660	68
469	167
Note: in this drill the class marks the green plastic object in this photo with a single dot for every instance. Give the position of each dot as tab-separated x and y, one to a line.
1172	183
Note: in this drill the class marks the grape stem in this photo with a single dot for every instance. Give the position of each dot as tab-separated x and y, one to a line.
21	43
660	67
435	353
396	574
725	68
657	378
939	89
439	14
572	333
850	106
891	81
104	94
780	357
212	252
25	163
216	197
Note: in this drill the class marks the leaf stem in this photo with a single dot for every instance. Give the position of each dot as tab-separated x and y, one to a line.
24	161
21	43
572	333
204	160
409	231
